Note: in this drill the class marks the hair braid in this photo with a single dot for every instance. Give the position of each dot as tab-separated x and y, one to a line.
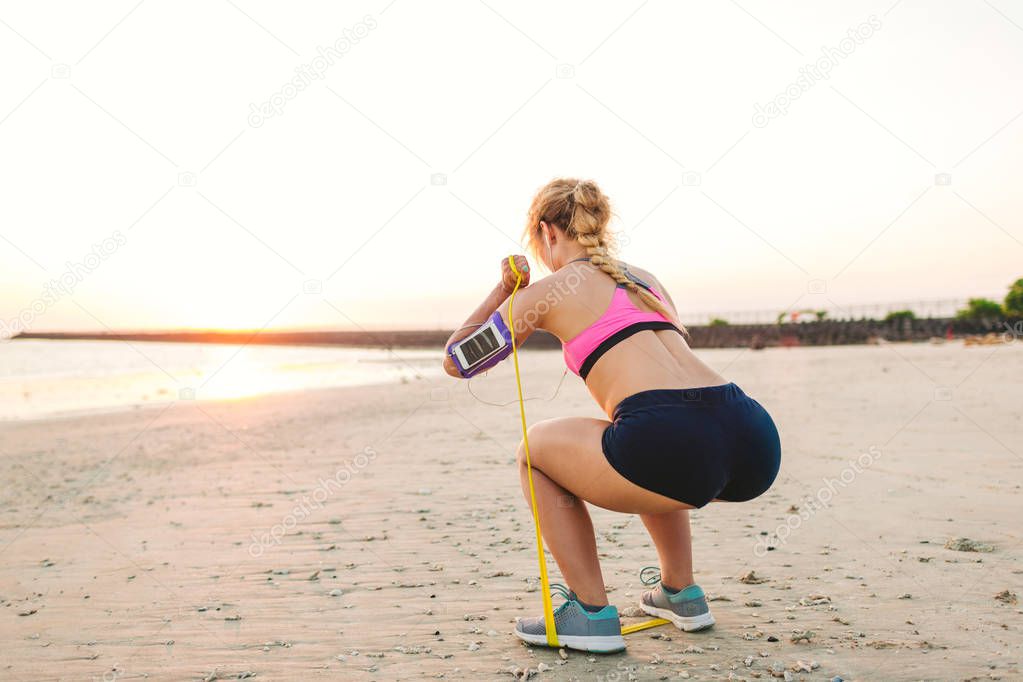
584	213
589	226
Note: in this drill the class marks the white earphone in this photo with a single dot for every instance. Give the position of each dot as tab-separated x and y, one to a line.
550	254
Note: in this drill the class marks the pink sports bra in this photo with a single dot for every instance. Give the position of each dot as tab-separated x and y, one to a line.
621	320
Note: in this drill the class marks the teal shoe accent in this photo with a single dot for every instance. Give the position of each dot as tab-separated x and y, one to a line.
651	575
687	608
609	611
688	594
577	628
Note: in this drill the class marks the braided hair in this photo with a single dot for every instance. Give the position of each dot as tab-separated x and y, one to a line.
583	212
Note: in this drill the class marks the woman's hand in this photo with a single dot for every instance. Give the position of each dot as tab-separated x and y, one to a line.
508	276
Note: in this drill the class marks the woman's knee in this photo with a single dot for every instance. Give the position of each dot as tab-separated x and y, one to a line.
538	436
520	454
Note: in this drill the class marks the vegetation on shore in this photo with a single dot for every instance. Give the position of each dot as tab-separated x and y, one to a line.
986	309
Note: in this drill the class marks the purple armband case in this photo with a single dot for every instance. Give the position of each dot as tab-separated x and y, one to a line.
482	349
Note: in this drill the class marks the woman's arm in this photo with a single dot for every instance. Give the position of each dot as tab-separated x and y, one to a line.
494	300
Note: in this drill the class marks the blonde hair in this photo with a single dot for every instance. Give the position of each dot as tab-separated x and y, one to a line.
583	212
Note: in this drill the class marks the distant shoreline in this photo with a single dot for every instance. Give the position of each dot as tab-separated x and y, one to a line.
817	333
381	339
349	339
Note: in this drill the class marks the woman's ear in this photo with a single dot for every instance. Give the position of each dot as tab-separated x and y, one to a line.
548	233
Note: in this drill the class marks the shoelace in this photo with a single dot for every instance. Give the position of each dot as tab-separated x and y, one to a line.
650	575
559	590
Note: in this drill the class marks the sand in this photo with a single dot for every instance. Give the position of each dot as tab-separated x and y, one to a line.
378	533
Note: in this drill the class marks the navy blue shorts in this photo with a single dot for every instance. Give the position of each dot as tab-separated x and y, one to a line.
695	445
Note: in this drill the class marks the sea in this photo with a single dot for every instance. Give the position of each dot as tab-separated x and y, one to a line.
40	378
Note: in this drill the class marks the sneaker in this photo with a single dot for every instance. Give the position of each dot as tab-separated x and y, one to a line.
687	609
577	628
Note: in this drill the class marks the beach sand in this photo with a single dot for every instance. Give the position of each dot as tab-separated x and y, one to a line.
379	533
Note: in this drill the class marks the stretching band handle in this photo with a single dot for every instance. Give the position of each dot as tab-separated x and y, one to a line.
545	587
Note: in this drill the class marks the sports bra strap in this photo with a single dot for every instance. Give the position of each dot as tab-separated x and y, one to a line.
625	269
637	280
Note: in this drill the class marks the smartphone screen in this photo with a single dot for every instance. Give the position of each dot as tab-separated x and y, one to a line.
480	346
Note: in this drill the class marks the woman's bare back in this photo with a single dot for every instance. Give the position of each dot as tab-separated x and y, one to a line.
578	294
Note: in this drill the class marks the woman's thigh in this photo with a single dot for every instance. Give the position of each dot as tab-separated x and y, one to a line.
568	451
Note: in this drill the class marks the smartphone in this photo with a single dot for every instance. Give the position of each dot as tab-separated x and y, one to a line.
480	346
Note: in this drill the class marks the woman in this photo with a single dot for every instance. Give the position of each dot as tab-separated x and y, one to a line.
680	436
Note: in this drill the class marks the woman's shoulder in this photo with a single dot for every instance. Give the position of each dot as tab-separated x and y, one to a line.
648	278
567	280
645	276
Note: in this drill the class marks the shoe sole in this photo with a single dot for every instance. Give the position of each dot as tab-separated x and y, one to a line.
607	644
684	623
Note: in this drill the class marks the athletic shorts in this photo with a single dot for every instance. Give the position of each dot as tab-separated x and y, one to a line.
695	445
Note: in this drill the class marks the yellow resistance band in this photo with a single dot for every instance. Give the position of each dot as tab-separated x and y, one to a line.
545	588
645	625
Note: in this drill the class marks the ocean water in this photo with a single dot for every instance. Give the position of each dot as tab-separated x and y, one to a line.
40	378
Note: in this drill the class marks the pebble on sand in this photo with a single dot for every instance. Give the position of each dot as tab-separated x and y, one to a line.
801	636
1007	597
968	545
815	600
751	578
520	674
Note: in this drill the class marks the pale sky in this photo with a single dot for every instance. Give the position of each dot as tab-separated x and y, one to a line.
133	122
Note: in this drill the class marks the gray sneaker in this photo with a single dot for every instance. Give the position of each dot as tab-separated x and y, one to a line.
577	628
687	608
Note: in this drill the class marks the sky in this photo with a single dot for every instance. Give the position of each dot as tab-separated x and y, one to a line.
242	164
